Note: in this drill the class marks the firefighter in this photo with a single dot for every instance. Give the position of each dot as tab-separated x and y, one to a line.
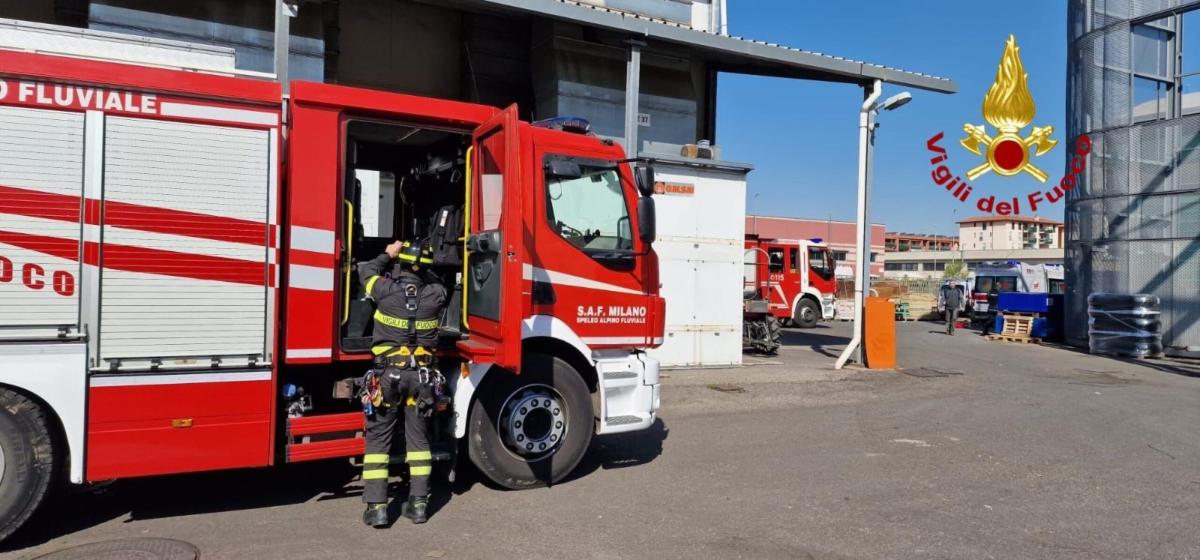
408	304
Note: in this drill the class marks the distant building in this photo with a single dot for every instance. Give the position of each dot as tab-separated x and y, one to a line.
932	264
1006	233
840	236
903	242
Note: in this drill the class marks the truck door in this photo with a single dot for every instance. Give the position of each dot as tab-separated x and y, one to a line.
495	299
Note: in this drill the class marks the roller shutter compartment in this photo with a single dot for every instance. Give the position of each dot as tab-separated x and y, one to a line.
185	240
41	184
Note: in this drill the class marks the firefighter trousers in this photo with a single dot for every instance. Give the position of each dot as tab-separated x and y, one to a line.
400	388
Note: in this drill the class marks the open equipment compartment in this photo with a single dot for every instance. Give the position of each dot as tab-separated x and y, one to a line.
403	181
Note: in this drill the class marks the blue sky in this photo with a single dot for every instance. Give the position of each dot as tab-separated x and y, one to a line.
801	136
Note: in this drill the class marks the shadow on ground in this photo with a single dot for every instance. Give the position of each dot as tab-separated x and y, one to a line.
1179	366
167	496
819	339
193	494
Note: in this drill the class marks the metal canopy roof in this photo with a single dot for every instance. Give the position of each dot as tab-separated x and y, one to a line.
733	54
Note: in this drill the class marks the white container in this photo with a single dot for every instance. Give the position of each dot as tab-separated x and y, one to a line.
116	47
701	234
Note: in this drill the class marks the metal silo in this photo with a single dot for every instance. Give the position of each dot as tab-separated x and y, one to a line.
1133	221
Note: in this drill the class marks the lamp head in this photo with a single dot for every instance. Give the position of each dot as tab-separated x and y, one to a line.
895	101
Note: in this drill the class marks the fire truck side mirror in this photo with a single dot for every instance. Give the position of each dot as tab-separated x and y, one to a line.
644	175
647	221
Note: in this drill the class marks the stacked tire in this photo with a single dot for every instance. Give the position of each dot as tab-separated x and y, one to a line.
1125	325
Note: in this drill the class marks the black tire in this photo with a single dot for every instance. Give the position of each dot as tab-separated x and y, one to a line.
28	460
491	421
1119	323
1127	347
1122	301
775	333
807	314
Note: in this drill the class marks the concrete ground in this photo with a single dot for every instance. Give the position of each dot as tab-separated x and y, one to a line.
974	449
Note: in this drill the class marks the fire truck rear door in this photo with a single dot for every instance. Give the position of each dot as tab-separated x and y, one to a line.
496	246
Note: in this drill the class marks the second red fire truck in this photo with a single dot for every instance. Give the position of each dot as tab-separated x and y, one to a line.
177	290
796	277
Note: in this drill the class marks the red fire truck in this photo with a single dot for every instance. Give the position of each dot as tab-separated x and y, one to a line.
177	290
795	276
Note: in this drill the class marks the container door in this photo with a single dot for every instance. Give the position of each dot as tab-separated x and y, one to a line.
496	250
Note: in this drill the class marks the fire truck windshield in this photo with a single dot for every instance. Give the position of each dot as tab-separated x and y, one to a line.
589	210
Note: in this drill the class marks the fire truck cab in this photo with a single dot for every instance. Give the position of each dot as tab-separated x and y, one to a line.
795	276
178	289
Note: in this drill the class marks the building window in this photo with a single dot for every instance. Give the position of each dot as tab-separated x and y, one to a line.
1189	65
1153	76
1149	99
1150	47
839	256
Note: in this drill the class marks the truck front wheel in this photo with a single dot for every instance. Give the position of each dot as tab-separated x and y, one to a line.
26	460
807	314
531	429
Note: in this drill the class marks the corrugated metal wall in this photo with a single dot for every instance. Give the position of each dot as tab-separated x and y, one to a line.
1133	223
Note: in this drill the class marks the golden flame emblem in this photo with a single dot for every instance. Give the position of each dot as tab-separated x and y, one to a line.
1008	106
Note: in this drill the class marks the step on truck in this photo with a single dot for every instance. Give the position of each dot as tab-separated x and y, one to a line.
177	286
796	277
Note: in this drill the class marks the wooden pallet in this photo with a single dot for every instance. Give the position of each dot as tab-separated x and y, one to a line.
1022	339
1017	325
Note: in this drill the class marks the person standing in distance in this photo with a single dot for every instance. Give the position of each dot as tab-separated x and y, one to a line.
953	298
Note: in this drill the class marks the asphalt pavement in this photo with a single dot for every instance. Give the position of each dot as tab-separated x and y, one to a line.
972	449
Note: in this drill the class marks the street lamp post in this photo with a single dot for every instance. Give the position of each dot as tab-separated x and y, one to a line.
866	142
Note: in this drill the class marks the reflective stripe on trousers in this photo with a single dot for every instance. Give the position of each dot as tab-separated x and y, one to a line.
375	466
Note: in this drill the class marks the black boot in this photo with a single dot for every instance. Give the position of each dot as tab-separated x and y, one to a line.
415	507
376	516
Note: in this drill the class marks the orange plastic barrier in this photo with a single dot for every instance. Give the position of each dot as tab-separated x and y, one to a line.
880	338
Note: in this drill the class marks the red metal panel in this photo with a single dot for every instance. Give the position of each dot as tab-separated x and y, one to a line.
130	429
326	423
313	202
76	70
498	144
629	290
393	105
348	447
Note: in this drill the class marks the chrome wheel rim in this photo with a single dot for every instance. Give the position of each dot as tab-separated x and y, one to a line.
533	422
2	464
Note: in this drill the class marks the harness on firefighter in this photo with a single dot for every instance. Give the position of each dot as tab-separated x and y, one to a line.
429	392
396	364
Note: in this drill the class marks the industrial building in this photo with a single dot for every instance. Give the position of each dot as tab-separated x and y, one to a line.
981	239
1133	220
932	264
